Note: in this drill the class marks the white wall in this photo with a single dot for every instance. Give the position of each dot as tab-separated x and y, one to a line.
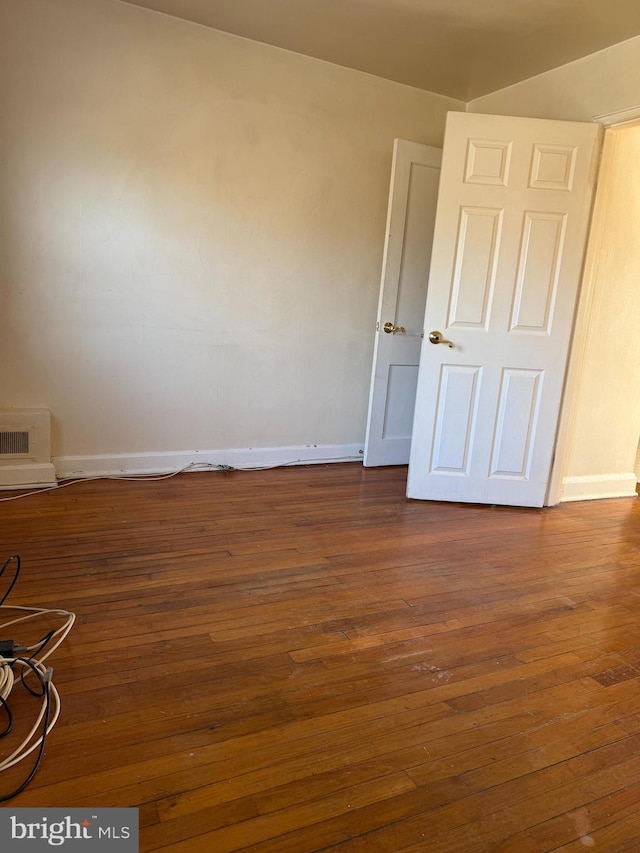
604	412
191	230
604	82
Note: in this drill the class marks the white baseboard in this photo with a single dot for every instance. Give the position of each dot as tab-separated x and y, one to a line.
592	487
124	464
34	475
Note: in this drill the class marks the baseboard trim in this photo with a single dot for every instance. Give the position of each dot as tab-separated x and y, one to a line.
34	475
131	464
593	487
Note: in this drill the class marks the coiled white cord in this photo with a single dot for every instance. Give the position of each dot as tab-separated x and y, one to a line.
32	613
29	744
32	667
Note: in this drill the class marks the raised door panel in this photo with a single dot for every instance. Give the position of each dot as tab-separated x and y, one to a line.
516	423
399	403
539	265
415	255
456	412
474	271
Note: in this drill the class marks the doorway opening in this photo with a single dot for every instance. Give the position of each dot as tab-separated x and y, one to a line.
600	428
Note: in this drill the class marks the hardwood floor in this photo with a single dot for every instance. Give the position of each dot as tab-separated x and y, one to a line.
301	660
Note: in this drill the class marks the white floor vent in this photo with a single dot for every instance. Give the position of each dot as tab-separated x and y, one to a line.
25	449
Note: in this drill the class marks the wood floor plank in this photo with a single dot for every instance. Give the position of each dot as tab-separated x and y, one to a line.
302	660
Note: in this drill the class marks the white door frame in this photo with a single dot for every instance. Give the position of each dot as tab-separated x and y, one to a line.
577	352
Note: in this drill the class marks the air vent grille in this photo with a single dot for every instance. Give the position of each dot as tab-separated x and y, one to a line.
14	443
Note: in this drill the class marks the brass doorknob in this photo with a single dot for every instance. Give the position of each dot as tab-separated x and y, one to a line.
389	328
436	338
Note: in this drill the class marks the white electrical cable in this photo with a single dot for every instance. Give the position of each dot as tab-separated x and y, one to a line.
33	613
31	665
27	747
6	680
63	483
192	466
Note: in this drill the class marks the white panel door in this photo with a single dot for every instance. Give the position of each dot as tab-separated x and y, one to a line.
513	212
415	174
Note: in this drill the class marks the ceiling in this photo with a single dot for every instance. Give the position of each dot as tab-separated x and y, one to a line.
459	48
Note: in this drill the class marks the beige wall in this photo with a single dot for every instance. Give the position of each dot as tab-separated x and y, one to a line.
601	83
606	421
191	230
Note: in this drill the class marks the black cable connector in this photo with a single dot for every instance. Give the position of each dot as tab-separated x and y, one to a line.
10	649
31	673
